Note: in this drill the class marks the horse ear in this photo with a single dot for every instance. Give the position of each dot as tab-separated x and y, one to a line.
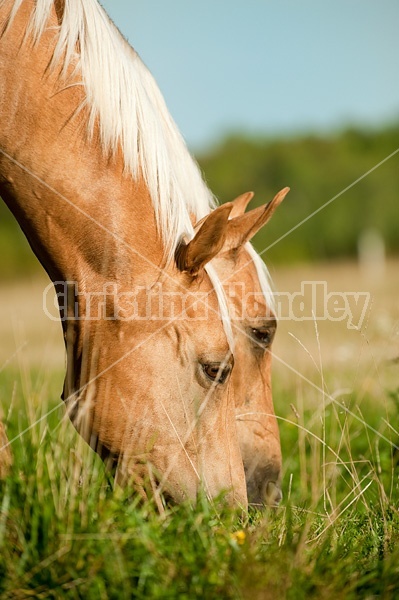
207	242
244	226
240	204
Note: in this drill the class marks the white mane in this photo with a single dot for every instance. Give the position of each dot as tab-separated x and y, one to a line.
124	100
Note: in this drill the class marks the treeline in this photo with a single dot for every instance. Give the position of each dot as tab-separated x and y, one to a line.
315	168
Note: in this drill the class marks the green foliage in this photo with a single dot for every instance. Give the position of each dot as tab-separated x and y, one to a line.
17	258
316	169
66	533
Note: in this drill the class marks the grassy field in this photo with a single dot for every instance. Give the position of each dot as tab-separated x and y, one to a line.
66	533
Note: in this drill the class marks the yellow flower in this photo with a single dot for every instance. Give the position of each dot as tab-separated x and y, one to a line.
239	537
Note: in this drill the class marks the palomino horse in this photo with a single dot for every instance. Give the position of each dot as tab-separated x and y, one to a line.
103	187
154	392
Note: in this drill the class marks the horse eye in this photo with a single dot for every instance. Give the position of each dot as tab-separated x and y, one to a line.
263	336
217	372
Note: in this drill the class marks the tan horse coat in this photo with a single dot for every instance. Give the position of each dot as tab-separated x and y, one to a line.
143	392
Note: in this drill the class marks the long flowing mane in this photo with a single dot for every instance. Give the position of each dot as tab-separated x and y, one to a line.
126	106
125	103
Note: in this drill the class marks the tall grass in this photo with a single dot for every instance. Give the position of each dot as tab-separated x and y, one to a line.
66	532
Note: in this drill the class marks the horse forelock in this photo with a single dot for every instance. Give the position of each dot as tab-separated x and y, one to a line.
263	276
125	105
223	305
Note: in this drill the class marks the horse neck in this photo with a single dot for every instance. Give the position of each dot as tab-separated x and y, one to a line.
85	220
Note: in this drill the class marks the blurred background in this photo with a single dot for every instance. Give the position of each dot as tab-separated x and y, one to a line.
300	94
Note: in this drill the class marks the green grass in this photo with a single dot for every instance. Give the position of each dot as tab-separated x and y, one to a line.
65	532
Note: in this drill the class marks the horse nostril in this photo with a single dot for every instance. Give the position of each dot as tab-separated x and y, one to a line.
273	494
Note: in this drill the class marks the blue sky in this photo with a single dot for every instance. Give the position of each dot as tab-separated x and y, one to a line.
267	66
